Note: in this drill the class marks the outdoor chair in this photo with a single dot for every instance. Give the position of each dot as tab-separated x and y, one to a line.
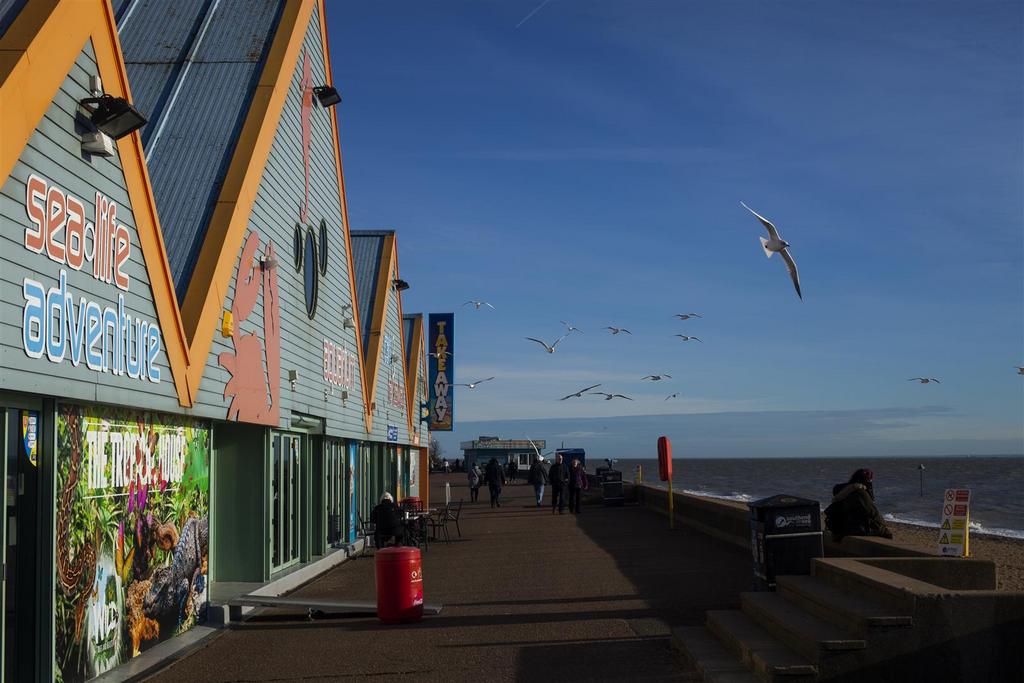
454	512
367	531
439	523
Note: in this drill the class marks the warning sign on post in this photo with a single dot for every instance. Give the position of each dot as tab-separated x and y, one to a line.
956	522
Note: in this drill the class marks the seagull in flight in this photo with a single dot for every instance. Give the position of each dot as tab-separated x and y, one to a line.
551	348
687	316
569	327
924	380
472	385
476	304
657	378
675	395
579	394
616	330
1020	369
689	338
609	397
775	244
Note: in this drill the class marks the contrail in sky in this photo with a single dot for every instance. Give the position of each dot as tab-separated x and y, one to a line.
535	10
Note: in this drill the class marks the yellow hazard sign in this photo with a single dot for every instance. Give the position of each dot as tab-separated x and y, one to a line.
945	524
945	539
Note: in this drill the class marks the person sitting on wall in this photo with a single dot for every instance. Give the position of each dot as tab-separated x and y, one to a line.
387	522
853	511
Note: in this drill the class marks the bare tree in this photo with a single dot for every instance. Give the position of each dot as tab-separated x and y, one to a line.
436	452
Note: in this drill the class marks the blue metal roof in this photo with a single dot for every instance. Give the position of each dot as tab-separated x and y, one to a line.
9	10
367	258
193	66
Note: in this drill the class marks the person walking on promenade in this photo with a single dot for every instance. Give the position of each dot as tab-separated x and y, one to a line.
853	511
475	479
538	476
513	469
495	477
558	476
577	485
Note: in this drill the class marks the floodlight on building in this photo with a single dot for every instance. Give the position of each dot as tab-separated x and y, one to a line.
268	263
113	116
327	95
400	285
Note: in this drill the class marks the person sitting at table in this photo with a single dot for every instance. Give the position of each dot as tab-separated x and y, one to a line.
387	522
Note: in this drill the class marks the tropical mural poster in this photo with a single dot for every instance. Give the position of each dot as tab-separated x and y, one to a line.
132	534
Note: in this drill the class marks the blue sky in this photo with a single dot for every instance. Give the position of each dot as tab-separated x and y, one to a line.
588	166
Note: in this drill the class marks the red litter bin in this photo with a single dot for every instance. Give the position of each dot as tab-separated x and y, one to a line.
399	585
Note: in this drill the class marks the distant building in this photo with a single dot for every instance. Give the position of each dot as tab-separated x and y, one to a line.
483	448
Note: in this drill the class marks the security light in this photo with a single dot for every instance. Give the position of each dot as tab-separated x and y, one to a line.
400	285
268	263
327	95
113	116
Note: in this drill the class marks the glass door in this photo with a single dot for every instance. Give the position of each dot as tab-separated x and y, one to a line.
286	499
334	471
21	431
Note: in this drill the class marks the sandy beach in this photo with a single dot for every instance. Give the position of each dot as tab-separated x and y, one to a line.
1008	553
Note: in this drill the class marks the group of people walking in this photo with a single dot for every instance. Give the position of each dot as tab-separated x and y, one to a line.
567	482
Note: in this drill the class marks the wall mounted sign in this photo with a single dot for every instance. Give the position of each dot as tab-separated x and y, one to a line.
392	433
339	365
442	371
954	531
30	435
103	334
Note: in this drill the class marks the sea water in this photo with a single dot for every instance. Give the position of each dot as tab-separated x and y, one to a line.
996	483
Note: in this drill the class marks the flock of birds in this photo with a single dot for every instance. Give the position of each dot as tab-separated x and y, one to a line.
774	244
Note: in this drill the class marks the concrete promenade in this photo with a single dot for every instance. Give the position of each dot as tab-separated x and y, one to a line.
527	596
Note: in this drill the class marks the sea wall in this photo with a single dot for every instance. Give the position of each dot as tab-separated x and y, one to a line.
730	521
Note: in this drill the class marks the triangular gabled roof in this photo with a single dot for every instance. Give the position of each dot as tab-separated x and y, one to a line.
37	51
412	328
375	260
193	61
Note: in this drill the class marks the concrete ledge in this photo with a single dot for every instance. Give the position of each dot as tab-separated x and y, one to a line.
160	655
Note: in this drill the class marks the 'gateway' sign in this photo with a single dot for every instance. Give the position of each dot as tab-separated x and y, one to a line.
107	337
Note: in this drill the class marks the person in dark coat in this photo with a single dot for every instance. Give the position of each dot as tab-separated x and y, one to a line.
558	476
513	470
387	522
495	477
538	476
476	477
577	485
853	511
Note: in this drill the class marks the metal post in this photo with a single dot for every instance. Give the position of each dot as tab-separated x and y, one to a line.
920	469
447	493
671	507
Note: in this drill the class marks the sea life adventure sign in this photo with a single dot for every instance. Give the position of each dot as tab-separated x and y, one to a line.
103	334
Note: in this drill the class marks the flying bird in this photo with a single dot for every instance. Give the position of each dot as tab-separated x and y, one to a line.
1020	369
616	330
689	338
609	397
687	316
569	327
675	395
472	385
551	348
657	378
924	380
775	244
477	304
579	394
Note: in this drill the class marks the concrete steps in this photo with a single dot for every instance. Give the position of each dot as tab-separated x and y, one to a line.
805	633
859	613
715	662
769	658
828	625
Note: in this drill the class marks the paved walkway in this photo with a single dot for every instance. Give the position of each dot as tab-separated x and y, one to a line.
527	596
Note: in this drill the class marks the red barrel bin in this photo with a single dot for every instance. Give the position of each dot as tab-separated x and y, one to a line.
399	585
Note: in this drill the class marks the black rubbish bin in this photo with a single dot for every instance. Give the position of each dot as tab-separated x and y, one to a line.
611	485
785	534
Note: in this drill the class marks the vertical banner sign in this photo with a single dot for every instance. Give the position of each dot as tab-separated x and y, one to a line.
442	366
956	520
352	452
